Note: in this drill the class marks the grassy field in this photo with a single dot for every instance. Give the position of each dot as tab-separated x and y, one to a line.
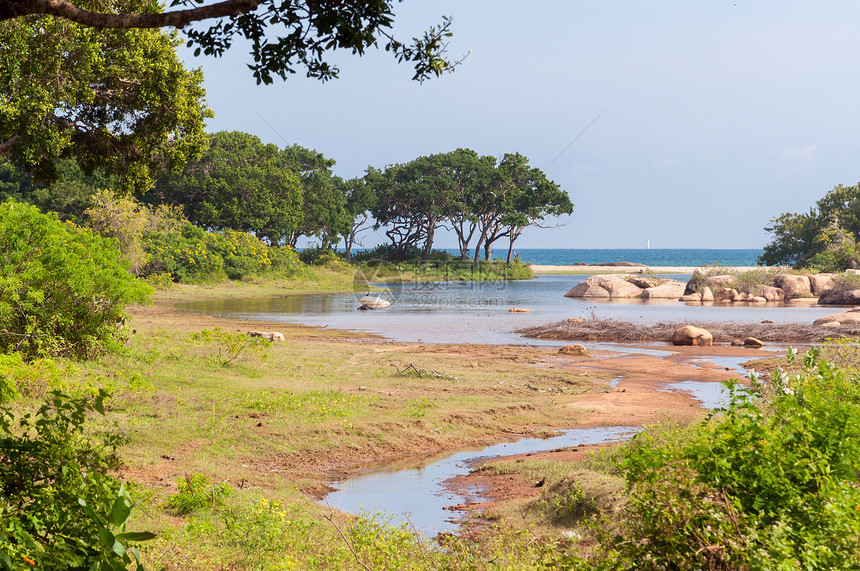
229	441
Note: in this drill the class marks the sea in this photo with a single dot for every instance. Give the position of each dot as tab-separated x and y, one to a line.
650	257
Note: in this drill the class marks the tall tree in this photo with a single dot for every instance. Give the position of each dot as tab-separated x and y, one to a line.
323	204
798	238
283	35
239	183
118	100
414	197
519	196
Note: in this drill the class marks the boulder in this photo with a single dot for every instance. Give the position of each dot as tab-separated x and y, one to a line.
756	299
831	324
737	342
820	283
690	335
753	343
770	293
609	285
575	350
726	294
519	310
793	286
669	289
741	296
695	296
707	294
618	286
643	282
373	301
699	279
849	317
840	296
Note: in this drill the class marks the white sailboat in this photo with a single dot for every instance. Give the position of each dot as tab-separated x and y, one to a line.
647	244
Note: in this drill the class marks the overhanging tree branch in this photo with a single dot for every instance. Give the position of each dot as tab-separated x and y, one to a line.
178	18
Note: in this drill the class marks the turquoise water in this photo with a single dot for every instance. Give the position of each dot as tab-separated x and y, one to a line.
649	257
653	257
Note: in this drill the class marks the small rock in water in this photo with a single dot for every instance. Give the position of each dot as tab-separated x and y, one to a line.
753	342
768	321
519	310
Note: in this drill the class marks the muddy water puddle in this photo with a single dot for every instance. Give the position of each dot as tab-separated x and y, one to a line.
417	494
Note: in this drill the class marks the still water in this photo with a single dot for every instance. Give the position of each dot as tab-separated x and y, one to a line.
471	312
416	493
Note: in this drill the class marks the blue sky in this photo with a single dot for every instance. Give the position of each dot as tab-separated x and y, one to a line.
716	115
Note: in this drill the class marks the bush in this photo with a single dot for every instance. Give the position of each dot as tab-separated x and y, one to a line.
194	256
62	509
63	290
769	482
197	492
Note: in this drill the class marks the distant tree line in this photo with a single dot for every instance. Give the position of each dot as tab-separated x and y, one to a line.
825	238
283	194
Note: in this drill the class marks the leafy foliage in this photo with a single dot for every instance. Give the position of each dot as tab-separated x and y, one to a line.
119	100
127	221
62	509
824	238
238	184
63	289
473	195
194	255
769	482
196	492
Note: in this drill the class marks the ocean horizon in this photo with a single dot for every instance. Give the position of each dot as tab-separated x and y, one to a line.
692	257
649	257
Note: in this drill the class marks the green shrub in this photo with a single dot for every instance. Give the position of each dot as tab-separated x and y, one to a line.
194	256
196	492
31	378
63	290
62	508
184	255
771	482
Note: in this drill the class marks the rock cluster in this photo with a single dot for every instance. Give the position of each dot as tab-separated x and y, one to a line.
620	286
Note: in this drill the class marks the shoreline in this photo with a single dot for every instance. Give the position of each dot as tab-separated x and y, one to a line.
539	269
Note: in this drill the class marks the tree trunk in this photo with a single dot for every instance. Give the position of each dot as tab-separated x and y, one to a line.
428	242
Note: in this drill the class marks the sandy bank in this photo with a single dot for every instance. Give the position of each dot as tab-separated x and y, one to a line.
588	270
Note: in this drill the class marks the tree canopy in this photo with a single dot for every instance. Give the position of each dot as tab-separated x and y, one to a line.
119	100
239	184
283	35
462	191
824	238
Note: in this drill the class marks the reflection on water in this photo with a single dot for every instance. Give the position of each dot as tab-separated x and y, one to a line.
416	493
474	312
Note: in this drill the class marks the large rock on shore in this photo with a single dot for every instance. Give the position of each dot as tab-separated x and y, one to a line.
840	296
793	285
620	286
820	283
849	317
691	335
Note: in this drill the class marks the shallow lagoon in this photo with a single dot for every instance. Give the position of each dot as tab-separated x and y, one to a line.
465	312
477	312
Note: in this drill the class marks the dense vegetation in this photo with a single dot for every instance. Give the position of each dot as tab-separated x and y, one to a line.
825	238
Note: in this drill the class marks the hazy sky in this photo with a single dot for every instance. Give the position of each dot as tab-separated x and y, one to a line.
717	115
